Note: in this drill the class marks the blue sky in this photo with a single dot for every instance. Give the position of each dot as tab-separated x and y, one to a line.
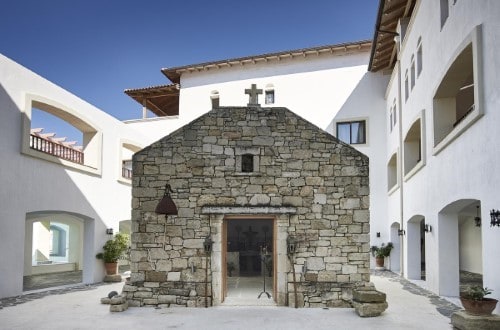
98	48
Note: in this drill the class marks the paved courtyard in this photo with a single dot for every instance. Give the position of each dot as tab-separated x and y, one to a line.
410	307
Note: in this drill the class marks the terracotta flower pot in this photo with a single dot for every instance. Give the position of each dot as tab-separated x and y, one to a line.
479	307
111	268
379	261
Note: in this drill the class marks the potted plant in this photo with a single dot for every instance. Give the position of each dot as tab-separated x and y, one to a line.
475	303
112	251
380	252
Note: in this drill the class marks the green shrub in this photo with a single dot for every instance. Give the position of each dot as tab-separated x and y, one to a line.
381	251
114	248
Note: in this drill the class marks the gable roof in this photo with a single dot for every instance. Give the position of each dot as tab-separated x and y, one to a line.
384	53
225	112
174	73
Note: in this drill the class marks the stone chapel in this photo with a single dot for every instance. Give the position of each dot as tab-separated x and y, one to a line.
260	193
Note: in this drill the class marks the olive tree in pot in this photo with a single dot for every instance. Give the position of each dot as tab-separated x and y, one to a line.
475	303
112	251
380	252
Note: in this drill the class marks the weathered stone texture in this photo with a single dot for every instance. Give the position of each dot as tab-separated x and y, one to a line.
296	165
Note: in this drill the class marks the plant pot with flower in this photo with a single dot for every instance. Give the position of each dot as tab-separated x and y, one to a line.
380	252
112	250
475	303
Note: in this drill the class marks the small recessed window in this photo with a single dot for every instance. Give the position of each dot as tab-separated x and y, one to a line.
353	132
407	87
412	72
419	57
247	163
270	97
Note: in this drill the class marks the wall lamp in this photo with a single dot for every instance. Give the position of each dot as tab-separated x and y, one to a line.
401	232
109	231
495	218
427	228
291	245
166	205
477	219
207	245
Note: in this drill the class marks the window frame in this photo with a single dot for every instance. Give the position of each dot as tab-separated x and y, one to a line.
350	122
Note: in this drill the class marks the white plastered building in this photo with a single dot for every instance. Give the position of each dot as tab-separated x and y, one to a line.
420	102
439	145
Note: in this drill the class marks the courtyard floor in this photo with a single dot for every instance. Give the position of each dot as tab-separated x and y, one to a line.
410	307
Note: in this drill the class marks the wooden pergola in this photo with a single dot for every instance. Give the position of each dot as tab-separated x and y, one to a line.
161	100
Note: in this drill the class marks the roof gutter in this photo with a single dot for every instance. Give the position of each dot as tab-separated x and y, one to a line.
375	33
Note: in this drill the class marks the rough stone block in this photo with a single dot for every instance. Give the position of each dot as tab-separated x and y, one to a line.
105	300
463	321
369	309
368	296
117	300
118	308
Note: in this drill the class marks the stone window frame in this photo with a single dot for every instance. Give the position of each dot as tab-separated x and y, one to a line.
239	152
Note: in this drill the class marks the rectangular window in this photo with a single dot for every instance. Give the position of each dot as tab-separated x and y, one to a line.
353	132
270	97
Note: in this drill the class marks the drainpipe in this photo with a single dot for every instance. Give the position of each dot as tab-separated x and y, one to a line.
401	176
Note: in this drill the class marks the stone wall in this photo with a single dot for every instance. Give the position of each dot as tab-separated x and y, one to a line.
295	165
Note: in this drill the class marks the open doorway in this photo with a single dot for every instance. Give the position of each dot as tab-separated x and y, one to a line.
249	260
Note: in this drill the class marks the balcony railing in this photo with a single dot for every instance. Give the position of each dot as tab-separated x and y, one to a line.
52	148
126	173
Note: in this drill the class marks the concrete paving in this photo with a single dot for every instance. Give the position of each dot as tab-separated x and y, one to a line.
80	309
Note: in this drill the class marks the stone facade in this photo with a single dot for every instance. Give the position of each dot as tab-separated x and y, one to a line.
312	186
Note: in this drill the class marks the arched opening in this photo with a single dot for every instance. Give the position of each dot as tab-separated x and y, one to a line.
56	133
416	248
392	172
395	262
125	227
412	147
460	247
127	151
57	249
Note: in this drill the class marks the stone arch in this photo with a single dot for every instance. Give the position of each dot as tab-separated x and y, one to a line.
81	254
415	247
449	243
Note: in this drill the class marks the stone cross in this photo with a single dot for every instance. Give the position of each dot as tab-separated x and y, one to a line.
253	92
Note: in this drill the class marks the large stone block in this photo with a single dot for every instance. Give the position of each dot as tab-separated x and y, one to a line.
118	308
463	321
369	309
368	296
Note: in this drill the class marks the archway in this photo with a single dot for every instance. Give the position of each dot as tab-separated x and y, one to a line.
459	247
416	248
395	264
57	249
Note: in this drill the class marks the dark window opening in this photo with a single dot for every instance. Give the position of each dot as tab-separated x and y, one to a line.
247	163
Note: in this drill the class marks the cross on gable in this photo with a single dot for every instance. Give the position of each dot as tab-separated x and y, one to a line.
253	93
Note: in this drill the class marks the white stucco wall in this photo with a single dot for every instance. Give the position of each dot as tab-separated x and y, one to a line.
37	186
464	170
315	87
367	102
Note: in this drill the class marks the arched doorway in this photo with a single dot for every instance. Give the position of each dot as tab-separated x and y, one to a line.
395	262
460	247
57	249
416	248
